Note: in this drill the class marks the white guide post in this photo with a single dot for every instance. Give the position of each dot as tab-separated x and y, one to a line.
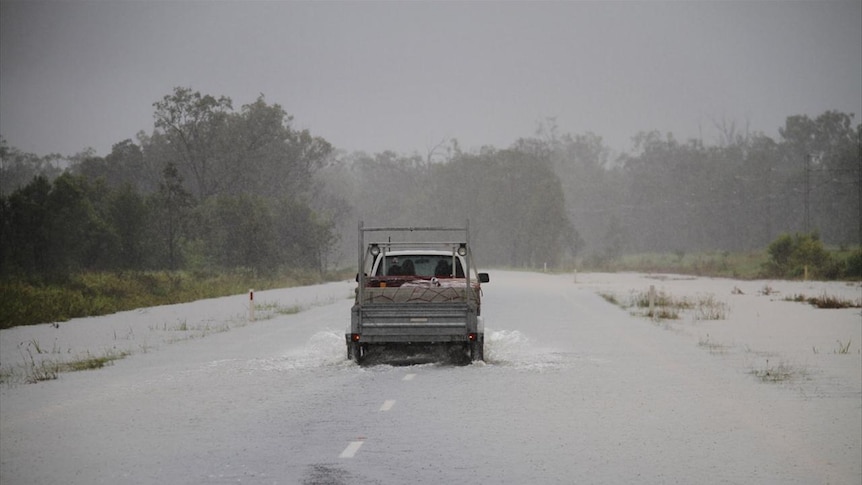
251	305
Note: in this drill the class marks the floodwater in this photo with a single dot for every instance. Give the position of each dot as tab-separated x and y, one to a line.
573	390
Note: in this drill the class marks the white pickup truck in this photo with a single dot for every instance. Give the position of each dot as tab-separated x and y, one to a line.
416	298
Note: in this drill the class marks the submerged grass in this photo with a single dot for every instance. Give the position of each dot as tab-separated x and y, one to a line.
40	364
826	301
91	362
668	307
778	373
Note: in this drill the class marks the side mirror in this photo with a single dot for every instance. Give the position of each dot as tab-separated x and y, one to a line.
484	278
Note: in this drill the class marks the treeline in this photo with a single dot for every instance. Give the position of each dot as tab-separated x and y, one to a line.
210	189
213	188
557	198
513	199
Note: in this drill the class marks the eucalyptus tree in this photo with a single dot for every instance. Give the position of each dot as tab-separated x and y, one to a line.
514	201
17	168
169	209
582	162
26	238
824	157
193	126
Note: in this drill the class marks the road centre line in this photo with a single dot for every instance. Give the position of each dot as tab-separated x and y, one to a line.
351	449
409	377
387	405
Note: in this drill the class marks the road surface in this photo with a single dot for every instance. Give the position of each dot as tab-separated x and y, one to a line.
574	390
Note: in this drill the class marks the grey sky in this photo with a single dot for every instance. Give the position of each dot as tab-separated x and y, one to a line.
404	76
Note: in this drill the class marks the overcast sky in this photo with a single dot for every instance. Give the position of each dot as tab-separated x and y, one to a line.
404	76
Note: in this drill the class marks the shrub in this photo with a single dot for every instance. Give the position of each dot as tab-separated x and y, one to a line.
790	256
853	268
780	252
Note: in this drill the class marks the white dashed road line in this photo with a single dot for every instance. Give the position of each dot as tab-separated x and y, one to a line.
351	449
354	446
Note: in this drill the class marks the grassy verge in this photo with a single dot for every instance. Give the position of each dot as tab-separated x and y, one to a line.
720	264
92	294
743	265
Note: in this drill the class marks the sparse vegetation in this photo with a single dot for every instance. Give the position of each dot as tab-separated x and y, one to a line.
778	373
610	298
270	309
826	301
34	371
668	307
91	362
40	364
843	348
707	307
713	347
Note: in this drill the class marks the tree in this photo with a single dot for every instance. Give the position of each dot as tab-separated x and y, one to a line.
18	169
124	165
192	125
129	218
170	208
26	236
265	156
238	232
79	238
824	157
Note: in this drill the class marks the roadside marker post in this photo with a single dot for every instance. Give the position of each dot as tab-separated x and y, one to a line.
251	305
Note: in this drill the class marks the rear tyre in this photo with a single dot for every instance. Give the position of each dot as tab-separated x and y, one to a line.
477	350
354	352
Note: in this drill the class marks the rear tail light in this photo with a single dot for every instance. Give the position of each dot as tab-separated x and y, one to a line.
354	337
472	337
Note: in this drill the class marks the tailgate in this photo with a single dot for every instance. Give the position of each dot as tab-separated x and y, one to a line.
411	322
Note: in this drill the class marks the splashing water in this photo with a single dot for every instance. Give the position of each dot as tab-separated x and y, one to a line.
512	348
323	349
507	348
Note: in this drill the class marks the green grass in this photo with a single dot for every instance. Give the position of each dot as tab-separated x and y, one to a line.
91	294
32	371
93	362
747	265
